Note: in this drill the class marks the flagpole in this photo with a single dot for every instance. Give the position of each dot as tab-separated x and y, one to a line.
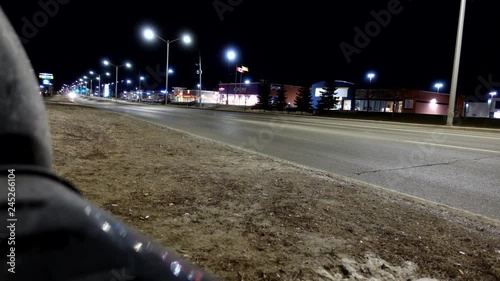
235	82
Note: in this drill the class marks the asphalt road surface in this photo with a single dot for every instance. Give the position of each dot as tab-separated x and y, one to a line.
459	168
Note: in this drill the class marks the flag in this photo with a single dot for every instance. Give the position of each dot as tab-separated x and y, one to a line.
239	69
244	68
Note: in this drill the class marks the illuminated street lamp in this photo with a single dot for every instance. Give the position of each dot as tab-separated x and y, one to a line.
91	83
149	34
231	56
141	78
438	86
371	76
99	79
128	65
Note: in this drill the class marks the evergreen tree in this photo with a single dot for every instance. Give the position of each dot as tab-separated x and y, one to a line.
264	95
281	98
328	99
303	101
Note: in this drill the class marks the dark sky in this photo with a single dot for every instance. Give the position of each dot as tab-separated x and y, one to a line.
291	42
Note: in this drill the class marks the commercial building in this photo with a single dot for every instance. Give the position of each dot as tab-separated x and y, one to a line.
485	109
349	96
345	94
236	94
388	100
46	81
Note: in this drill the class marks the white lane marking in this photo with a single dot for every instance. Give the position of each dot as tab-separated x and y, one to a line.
454	146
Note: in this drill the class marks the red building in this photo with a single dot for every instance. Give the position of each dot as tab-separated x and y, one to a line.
406	101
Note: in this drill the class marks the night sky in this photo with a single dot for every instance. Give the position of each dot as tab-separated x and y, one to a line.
292	42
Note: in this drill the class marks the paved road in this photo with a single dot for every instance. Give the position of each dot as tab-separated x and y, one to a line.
459	168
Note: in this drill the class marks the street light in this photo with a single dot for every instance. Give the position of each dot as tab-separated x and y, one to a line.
99	79
199	71
149	34
231	56
438	86
86	83
139	95
128	65
370	76
91	83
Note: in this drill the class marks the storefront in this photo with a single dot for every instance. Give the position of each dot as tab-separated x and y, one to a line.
344	92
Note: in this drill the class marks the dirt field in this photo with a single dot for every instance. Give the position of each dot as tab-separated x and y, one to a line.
243	216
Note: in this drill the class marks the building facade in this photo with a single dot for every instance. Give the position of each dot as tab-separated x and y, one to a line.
388	100
486	109
247	94
345	94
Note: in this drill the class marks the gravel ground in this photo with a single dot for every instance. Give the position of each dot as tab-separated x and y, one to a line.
244	216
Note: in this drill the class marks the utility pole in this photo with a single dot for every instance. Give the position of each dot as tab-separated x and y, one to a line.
456	66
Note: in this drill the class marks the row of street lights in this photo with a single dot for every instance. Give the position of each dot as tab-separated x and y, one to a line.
149	34
127	65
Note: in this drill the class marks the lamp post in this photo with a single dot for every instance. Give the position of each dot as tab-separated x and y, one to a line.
128	65
199	71
141	78
438	86
91	80
99	79
370	76
86	84
149	34
129	82
456	65
231	56
85	78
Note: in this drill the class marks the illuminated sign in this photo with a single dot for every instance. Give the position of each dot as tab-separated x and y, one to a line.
46	76
106	90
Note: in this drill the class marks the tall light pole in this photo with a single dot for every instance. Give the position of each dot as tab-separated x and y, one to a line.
370	76
199	73
99	79
438	86
128	65
149	34
85	81
456	65
231	56
91	80
141	78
